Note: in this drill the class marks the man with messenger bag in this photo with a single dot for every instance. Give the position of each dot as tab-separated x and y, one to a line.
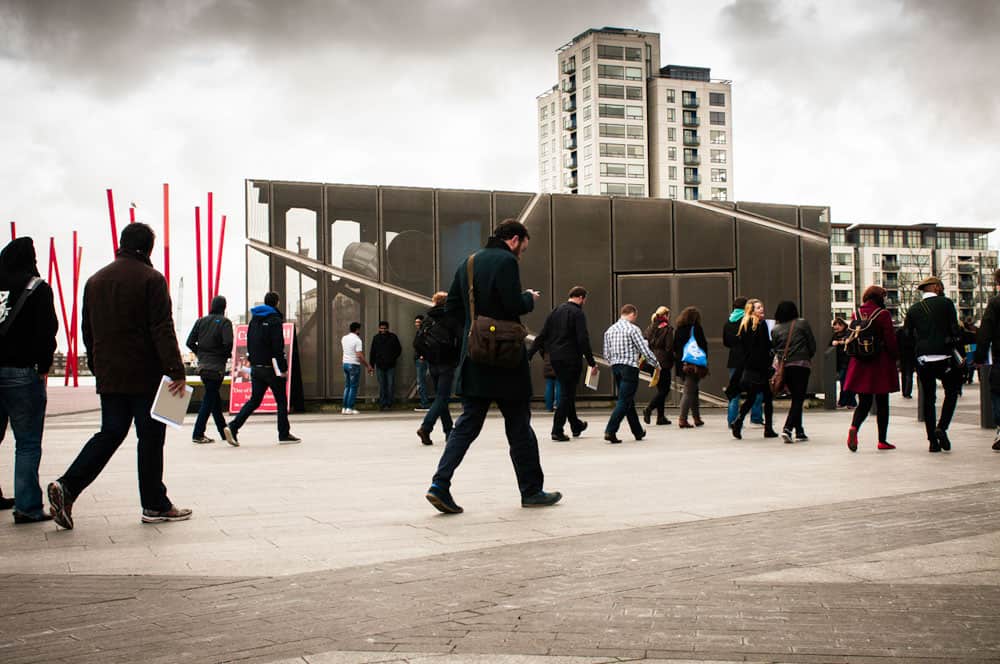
486	296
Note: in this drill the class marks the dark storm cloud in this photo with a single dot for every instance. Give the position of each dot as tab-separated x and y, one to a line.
111	42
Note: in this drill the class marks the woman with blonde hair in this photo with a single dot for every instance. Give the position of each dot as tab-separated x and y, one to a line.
660	336
757	367
688	325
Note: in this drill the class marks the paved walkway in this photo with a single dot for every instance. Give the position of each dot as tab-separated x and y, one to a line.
687	546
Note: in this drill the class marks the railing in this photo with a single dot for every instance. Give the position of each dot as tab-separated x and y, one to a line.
569	124
692	179
691	121
692	141
690	101
692	161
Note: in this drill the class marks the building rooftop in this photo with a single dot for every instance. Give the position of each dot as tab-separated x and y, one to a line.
607	30
912	227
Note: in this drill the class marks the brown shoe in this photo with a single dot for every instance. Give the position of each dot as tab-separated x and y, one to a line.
698	422
425	436
683	423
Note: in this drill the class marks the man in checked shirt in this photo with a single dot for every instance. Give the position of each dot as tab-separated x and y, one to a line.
623	344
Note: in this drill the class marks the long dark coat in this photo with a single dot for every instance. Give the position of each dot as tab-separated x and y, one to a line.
498	293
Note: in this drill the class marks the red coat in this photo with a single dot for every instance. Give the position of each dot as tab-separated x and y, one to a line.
878	375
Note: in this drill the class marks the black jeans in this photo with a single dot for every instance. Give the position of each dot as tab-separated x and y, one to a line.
568	375
797	381
211	404
262	379
951	380
520	438
442	375
752	391
906	379
118	411
881	417
658	402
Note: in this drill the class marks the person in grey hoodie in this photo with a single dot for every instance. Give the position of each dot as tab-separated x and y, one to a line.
798	362
211	339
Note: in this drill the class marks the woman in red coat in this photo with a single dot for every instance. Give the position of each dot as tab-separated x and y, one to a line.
875	377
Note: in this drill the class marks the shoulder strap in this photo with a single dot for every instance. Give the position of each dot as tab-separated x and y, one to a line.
29	288
788	342
472	297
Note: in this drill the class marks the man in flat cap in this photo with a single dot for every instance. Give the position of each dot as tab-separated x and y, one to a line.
932	323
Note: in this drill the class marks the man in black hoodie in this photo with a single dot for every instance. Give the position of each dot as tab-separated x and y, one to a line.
211	339
385	350
268	369
28	327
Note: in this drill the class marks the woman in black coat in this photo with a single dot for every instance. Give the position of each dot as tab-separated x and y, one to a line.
757	360
690	319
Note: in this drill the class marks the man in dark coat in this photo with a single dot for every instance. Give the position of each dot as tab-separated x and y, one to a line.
128	332
211	339
989	336
268	369
565	341
383	354
28	327
498	294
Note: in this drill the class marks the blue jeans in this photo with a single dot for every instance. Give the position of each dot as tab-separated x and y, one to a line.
422	383
211	404
352	378
627	382
22	402
386	384
756	412
552	393
443	376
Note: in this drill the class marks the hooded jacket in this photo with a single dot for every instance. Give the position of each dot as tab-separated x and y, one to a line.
731	339
265	338
211	338
30	341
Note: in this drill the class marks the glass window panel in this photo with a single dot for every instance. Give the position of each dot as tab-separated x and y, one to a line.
352	223
463	225
258	211
407	236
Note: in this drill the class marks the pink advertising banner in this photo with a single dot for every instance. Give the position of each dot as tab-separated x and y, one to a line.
240	387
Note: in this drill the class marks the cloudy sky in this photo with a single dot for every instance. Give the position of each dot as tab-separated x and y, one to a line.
887	111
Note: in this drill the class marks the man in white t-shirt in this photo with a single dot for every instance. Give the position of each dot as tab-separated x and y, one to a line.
354	358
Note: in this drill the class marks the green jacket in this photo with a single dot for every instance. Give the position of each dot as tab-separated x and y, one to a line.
932	323
498	293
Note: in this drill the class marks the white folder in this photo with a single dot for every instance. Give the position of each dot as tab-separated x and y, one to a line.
170	409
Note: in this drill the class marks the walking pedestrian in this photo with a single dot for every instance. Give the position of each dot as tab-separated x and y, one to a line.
847	399
495	293
422	365
688	328
755	342
989	337
353	360
128	333
268	369
792	340
439	342
565	343
28	327
968	341
731	340
211	340
385	350
907	360
872	374
623	345
660	336
933	322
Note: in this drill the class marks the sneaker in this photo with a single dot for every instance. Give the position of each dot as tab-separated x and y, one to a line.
541	499
852	439
290	439
202	440
660	421
352	411
172	514
560	437
934	447
640	436
770	433
421	409
425	436
25	518
583	427
60	505
942	437
886	446
442	500
230	436
801	437
996	441
786	437
612	438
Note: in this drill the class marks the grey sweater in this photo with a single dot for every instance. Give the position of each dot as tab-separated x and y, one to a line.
803	344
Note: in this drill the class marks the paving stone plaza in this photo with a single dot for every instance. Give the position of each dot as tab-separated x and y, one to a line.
688	546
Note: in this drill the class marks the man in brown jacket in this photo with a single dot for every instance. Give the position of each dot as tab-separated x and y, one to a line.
128	332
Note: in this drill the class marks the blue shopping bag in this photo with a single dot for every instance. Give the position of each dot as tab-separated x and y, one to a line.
693	354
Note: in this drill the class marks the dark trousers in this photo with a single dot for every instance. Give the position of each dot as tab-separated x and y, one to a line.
211	404
881	417
442	375
848	398
118	412
797	381
626	382
763	389
658	402
262	379
568	375
906	379
386	386
520	438
951	379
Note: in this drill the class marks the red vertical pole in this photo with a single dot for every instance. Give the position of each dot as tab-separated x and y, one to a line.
131	214
73	316
52	250
197	249
62	304
218	261
166	233
114	227
13	231
208	255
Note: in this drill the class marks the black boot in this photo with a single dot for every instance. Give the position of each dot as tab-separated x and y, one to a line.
646	414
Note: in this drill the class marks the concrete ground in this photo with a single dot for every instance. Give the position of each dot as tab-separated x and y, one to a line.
686	546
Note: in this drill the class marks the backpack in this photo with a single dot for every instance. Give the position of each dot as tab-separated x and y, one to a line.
435	342
863	342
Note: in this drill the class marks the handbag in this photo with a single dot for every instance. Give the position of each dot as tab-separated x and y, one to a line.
693	354
495	343
778	379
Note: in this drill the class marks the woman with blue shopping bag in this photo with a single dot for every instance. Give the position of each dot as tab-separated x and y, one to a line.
691	364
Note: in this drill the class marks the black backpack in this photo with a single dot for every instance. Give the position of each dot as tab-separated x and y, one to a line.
864	342
435	342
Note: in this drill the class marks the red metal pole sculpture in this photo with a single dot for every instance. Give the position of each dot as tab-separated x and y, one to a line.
114	227
218	261
166	233
208	255
197	249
